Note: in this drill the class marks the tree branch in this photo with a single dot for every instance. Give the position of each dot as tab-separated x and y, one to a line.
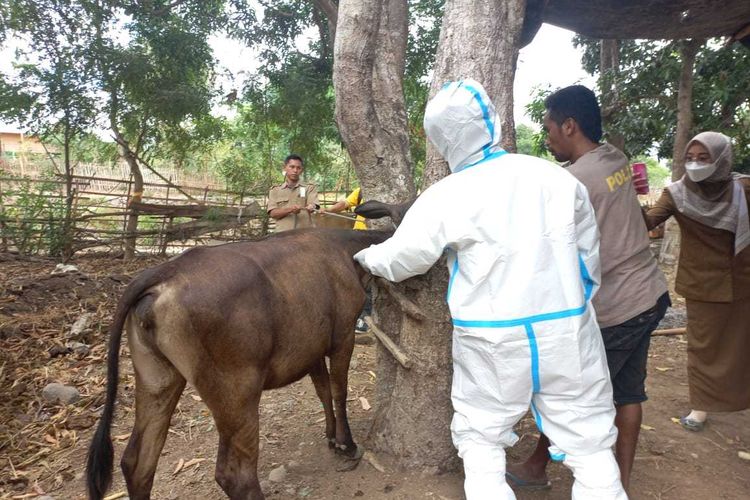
406	305
331	11
389	344
165	10
329	8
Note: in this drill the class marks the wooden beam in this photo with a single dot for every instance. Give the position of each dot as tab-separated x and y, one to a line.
389	344
406	305
669	331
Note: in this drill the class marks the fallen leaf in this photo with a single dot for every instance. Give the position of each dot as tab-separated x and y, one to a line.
50	439
38	489
193	461
115	496
675	420
122	437
743	455
179	467
365	404
646	427
373	461
196	397
663	368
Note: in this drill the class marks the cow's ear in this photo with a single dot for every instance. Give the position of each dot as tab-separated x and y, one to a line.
377	210
373	210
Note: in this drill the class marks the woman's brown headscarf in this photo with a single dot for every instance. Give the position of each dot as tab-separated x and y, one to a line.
718	201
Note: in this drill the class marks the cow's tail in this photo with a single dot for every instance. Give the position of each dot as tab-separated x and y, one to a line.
101	453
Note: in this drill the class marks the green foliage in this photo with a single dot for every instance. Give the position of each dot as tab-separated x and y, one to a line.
88	148
425	21
145	70
525	143
647	86
535	109
294	91
658	175
50	91
31	219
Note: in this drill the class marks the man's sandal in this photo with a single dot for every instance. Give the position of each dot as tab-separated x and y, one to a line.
530	484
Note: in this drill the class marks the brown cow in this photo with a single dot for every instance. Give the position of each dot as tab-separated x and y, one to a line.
234	320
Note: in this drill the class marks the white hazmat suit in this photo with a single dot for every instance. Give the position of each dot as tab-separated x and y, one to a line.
522	247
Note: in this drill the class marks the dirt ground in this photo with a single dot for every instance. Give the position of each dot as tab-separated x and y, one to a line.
43	445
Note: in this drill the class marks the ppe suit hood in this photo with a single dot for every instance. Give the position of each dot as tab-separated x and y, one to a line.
461	122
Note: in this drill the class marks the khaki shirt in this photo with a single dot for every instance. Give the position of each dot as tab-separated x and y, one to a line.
631	279
708	270
302	194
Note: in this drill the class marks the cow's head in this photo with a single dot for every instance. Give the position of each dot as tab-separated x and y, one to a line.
376	210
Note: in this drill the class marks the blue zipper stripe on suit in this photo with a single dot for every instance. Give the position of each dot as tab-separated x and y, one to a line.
528	324
453	274
485	116
496	154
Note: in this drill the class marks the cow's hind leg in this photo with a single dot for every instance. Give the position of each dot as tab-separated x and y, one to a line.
340	359
322	382
233	398
158	386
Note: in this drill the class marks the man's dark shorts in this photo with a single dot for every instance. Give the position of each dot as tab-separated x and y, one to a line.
627	352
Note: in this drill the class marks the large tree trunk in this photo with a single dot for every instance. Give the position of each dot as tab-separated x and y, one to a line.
688	52
369	55
132	225
66	248
479	40
609	68
670	245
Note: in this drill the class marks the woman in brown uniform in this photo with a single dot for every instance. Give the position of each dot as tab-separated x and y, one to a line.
710	204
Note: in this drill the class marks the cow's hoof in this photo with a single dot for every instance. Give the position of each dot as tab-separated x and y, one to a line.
350	452
352	457
331	443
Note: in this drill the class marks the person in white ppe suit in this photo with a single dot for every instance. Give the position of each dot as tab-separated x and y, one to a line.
522	247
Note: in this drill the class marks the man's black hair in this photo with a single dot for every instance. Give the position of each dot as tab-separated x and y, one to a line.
293	157
579	103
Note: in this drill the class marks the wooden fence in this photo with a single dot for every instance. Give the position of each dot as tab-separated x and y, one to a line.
171	216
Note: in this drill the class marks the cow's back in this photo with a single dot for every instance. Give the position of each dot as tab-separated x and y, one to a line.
279	304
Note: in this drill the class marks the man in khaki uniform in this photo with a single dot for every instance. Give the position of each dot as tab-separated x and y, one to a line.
292	203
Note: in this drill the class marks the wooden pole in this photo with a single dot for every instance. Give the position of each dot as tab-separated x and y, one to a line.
669	331
390	346
406	305
163	249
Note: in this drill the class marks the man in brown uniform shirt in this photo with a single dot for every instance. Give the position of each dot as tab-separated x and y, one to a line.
633	295
292	202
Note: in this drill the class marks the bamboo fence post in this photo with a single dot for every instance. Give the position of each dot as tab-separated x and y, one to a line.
3	237
163	238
